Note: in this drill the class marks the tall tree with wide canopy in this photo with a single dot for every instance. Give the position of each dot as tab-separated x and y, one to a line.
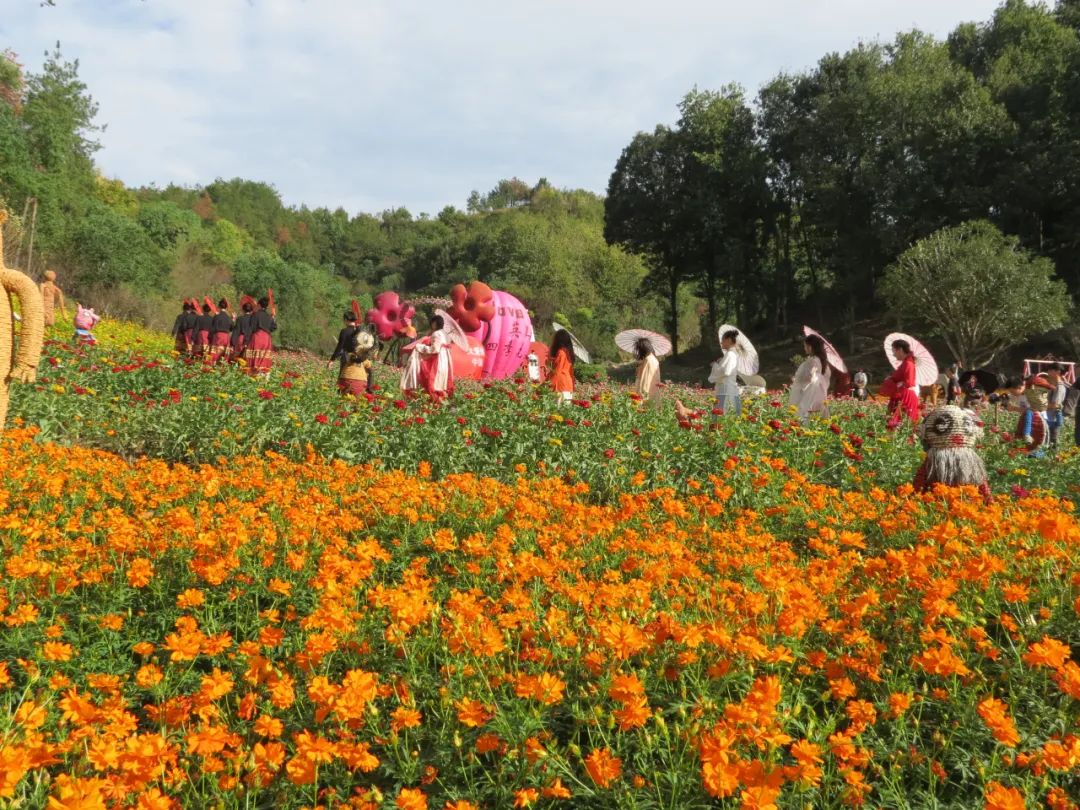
977	290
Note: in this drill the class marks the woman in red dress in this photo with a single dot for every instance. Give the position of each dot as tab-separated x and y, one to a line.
901	387
258	346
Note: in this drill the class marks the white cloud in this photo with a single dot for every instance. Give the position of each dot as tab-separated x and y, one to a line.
380	103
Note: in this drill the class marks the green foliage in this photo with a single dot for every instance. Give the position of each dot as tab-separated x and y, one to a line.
225	242
107	249
976	289
309	302
167	224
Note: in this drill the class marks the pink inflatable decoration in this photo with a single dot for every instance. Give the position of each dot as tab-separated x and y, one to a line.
390	316
507	337
468	365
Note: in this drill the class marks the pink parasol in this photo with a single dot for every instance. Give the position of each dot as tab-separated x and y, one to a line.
926	369
835	360
626	339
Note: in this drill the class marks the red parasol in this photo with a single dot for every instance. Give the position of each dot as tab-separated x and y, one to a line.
356	311
273	306
926	369
626	340
213	307
247	299
835	360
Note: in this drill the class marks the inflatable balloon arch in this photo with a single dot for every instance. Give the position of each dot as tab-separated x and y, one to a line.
498	328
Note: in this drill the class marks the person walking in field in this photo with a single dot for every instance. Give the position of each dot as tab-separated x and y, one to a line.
562	366
344	346
901	387
258	344
724	375
810	386
432	366
1055	402
203	324
184	328
647	379
355	377
220	333
241	326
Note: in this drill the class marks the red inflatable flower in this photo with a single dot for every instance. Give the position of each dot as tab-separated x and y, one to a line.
390	315
473	306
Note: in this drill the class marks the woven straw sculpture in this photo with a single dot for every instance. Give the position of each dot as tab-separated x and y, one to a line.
949	435
20	366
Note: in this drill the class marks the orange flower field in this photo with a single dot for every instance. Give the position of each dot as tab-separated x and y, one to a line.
264	632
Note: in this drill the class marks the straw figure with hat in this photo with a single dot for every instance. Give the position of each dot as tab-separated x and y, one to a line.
949	435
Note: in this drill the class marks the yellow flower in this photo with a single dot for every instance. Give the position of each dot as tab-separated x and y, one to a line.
555	442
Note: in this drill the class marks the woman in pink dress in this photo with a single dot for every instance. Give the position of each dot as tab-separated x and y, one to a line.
901	388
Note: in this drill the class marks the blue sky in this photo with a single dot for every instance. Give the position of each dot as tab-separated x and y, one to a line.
371	104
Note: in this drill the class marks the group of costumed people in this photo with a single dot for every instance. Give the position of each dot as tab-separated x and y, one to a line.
211	333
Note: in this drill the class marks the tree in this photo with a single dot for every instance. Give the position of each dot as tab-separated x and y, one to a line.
727	201
644	209
977	289
168	224
108	249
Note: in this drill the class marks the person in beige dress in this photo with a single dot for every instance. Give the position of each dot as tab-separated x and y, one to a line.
647	382
52	296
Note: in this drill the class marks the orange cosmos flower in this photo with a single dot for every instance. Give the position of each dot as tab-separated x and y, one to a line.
472	713
403	717
78	794
57	651
191	598
999	797
526	797
140	572
602	767
411	799
995	714
899	702
1047	653
556	790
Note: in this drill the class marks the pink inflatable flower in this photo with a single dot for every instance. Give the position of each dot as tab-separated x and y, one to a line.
390	316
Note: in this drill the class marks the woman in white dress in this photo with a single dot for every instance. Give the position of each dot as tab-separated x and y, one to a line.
724	376
810	386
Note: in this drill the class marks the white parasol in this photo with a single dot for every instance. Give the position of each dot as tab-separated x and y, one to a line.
835	360
926	370
580	351
627	339
453	330
744	349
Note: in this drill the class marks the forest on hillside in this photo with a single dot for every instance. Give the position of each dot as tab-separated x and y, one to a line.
765	210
